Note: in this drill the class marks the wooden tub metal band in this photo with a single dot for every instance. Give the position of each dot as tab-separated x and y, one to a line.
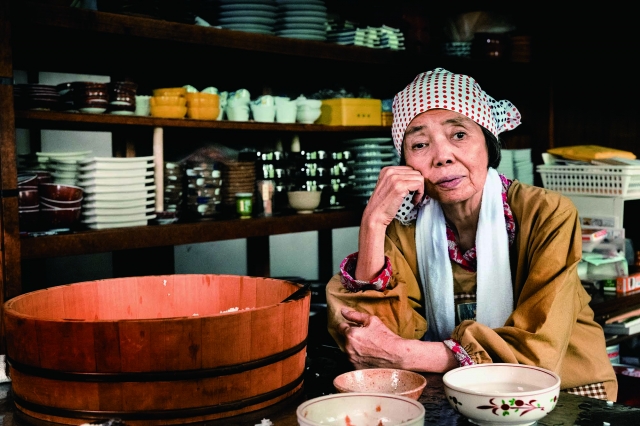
163	376
160	414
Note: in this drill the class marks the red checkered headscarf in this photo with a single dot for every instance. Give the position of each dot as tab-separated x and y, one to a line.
440	88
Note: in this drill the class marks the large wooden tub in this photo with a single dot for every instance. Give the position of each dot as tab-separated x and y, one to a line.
156	350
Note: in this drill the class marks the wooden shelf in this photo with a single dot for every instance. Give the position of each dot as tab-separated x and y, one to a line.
607	305
78	121
89	242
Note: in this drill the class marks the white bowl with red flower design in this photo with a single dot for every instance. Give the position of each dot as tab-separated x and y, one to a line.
502	393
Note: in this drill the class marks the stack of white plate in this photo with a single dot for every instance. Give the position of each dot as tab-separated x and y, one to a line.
522	165
506	164
367	37
303	19
118	192
370	155
253	16
391	38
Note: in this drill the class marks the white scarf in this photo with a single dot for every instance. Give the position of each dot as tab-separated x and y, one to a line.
494	294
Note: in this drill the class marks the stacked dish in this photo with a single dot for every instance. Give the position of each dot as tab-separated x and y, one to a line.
204	182
36	97
370	156
122	97
90	97
119	192
237	177
253	16
302	19
63	166
173	187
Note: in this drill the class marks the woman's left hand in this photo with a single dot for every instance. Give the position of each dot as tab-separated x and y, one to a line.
368	342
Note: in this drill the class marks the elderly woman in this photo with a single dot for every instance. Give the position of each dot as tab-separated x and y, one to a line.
458	265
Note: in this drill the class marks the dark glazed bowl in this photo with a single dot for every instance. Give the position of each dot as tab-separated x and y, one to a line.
60	192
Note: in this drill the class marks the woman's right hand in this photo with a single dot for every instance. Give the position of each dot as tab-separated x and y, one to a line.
394	183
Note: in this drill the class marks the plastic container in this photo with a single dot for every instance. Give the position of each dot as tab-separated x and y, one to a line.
621	181
351	112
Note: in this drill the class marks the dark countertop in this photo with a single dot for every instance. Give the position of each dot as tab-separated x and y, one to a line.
325	362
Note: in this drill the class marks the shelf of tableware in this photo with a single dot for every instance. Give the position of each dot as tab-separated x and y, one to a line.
77	121
90	242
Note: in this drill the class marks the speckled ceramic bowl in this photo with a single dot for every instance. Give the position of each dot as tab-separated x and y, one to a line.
362	409
382	380
502	393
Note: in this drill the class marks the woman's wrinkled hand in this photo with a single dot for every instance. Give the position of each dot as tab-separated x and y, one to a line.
368	342
394	183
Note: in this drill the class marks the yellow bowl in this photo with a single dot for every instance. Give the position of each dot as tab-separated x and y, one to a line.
170	91
203	113
198	100
167	100
168	111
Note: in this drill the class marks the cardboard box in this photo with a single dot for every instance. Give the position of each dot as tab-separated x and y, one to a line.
351	112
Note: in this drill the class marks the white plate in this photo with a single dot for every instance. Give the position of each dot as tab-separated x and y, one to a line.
250	28
117	196
127	173
302	19
63	154
316	33
317	7
119	204
107	182
111	225
283	2
372	147
100	213
247	7
305	37
252	20
310	13
118	219
116	160
301	26
103	189
143	165
242	13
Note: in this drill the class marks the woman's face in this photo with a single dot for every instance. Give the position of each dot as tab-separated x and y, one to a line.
450	151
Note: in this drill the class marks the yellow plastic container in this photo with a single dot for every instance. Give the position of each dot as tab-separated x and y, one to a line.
351	112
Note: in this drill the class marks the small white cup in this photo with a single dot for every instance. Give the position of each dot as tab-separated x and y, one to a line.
142	105
286	112
263	113
237	113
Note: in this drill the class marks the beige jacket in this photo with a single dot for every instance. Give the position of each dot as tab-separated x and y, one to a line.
552	325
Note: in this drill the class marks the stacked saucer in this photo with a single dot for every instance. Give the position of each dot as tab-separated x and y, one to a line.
119	192
253	16
203	190
302	19
36	97
62	165
237	177
173	187
391	38
370	156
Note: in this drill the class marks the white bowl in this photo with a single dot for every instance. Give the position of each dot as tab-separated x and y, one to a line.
307	115
362	409
304	201
502	393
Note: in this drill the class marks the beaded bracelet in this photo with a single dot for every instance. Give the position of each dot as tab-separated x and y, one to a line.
459	353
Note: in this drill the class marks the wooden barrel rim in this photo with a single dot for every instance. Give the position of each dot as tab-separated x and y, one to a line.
164	376
159	414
